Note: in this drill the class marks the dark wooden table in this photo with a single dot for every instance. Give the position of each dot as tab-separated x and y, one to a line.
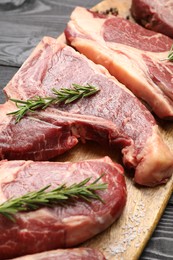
22	24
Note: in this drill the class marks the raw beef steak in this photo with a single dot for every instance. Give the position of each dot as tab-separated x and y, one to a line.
66	254
134	55
59	226
32	139
156	15
112	116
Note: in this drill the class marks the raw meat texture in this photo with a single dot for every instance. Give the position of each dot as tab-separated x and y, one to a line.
134	55
66	254
32	139
113	116
156	15
57	227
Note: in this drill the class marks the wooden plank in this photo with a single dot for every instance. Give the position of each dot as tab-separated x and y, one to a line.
127	237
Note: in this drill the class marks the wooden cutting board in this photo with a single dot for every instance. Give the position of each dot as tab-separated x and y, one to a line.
127	237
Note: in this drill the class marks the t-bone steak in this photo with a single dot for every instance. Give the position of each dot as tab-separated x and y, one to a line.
156	15
134	55
113	116
58	226
66	254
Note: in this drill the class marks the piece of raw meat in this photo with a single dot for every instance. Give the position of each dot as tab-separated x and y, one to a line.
134	55
156	15
66	254
113	116
59	226
32	139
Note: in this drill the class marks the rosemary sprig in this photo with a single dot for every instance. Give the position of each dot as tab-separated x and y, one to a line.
170	55
64	95
60	195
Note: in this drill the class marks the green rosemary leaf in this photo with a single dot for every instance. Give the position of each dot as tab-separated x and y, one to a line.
170	55
61	195
64	95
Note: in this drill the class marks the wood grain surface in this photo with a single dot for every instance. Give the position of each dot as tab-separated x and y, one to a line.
22	24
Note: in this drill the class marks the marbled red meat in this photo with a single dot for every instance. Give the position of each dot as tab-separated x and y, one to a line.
120	45
32	139
59	226
156	15
113	116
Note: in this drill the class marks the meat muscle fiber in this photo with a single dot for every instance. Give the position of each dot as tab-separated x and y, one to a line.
156	15
66	254
134	55
113	116
59	226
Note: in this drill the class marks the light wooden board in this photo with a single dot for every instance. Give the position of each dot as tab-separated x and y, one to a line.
127	237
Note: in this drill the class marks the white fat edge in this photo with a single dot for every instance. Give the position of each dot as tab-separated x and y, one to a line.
138	70
127	58
136	67
159	163
136	55
90	119
98	23
8	175
73	221
84	16
81	226
86	225
109	49
40	215
107	218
